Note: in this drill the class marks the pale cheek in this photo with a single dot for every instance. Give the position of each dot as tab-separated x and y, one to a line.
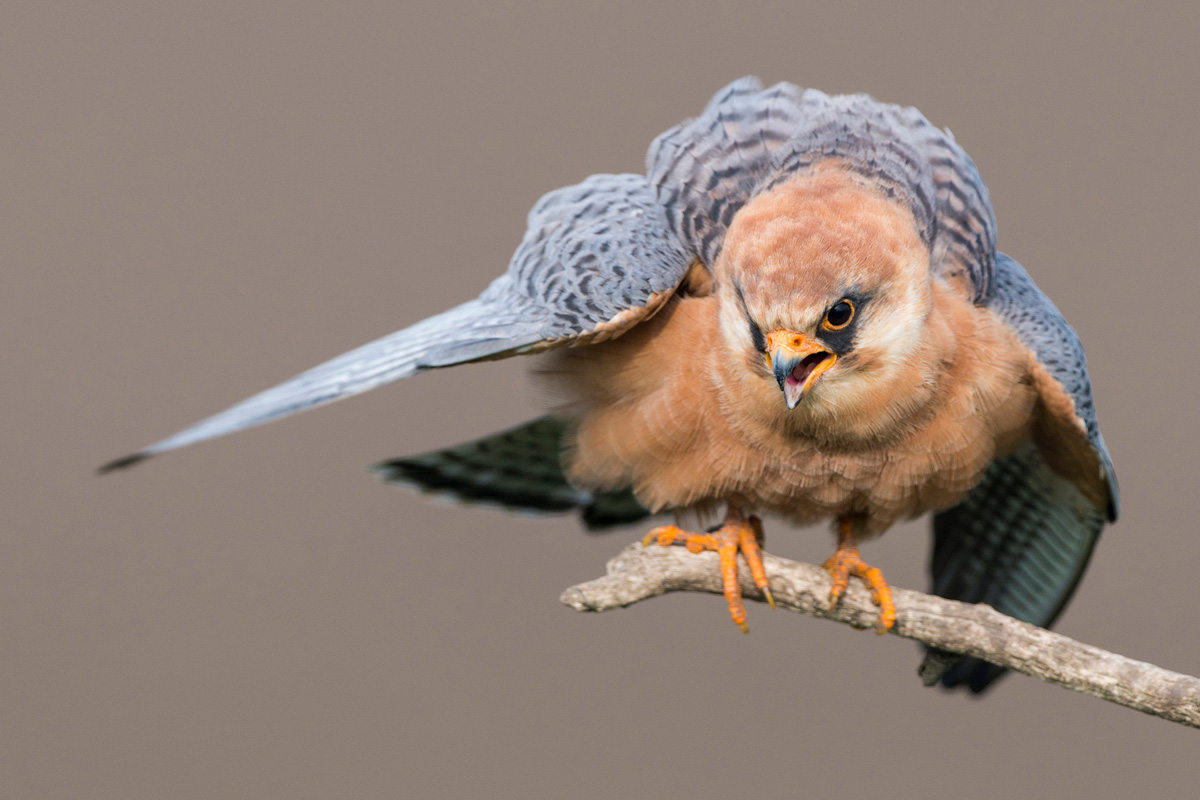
734	332
893	336
894	332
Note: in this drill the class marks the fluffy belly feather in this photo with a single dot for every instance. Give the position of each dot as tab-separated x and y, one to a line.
658	411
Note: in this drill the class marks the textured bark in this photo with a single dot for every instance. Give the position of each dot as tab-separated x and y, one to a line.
639	573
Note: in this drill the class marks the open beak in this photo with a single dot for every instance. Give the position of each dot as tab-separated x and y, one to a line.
796	362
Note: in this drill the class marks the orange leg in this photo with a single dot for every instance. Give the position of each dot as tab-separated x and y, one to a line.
846	562
738	533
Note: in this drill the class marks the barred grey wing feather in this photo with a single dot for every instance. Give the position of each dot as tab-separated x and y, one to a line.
1021	539
1041	327
921	163
748	140
966	225
705	169
592	253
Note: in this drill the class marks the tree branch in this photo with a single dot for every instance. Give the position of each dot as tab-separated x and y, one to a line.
640	573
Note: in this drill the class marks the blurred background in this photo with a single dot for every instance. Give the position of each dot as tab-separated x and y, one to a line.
198	200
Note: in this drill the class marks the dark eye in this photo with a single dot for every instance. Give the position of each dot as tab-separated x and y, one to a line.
839	316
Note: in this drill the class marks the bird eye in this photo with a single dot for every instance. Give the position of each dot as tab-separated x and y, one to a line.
839	316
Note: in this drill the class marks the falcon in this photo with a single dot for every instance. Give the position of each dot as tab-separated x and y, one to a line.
798	311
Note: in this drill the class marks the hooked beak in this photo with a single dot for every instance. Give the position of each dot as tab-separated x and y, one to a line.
796	362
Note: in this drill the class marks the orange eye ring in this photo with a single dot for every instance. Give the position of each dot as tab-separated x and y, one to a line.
838	317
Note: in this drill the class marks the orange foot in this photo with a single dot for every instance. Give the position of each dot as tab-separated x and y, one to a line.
846	562
738	533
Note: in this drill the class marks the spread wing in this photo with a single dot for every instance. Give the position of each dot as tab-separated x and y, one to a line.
596	259
1021	539
749	139
601	256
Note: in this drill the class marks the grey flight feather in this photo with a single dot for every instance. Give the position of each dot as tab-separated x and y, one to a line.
591	251
1021	539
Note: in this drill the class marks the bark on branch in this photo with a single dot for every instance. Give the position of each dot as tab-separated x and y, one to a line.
640	573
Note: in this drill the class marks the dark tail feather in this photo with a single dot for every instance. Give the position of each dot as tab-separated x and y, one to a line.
973	673
1019	542
518	469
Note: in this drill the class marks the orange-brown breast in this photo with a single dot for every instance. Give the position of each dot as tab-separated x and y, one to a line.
690	420
659	410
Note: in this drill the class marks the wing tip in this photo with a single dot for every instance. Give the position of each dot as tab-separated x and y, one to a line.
124	462
1114	491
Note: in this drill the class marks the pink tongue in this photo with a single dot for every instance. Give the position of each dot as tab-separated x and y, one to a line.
802	370
800	373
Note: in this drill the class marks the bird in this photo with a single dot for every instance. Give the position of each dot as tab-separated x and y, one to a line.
799	312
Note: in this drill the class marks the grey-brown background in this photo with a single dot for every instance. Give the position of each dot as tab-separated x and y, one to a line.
198	200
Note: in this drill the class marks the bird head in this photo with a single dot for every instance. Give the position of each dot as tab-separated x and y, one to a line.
825	289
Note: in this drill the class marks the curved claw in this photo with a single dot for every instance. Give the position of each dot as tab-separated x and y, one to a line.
737	534
846	563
